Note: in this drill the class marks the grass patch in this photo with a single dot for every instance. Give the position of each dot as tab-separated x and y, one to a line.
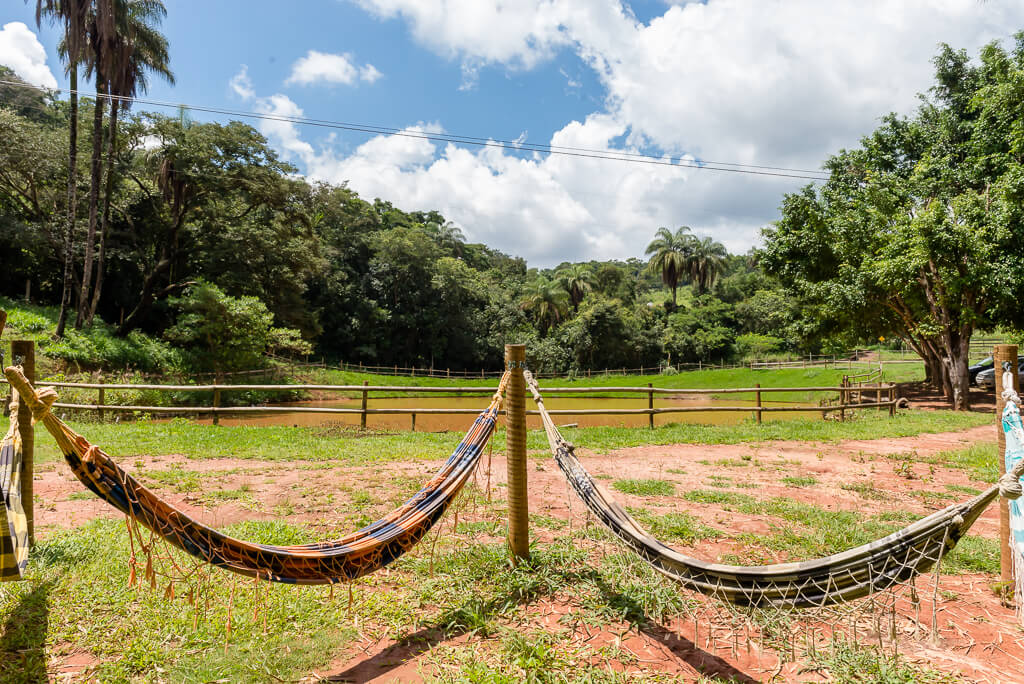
865	490
677	527
710	496
961	489
645	487
800	481
979	461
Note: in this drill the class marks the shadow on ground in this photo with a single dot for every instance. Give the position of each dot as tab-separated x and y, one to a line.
23	640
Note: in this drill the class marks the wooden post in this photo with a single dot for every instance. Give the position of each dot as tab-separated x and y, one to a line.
515	453
413	422
842	398
362	416
24	351
650	406
892	401
101	400
757	402
1001	353
216	405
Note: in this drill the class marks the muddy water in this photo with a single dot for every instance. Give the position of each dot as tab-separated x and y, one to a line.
458	423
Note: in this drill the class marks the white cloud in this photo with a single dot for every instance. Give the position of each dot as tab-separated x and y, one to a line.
521	32
241	84
24	54
330	68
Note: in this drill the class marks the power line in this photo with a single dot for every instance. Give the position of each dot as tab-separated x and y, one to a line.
509	145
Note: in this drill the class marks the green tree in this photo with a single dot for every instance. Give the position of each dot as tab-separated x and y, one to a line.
72	16
547	301
917	231
198	177
222	333
707	260
577	280
671	256
133	51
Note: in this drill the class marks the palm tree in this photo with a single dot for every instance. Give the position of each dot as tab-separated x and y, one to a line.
671	255
707	263
577	280
547	301
71	14
137	48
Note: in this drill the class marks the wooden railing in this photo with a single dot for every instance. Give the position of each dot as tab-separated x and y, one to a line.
848	399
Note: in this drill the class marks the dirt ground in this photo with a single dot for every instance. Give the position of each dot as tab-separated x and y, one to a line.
977	637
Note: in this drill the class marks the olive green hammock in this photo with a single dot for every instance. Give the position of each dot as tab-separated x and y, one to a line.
821	582
329	562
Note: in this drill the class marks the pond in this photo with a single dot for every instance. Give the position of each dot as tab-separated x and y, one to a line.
460	422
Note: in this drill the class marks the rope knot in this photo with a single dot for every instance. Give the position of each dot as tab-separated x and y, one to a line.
1010	486
43	403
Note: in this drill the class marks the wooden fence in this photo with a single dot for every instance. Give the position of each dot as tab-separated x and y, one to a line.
850	397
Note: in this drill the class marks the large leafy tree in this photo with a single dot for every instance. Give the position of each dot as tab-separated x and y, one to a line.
917	232
671	255
197	178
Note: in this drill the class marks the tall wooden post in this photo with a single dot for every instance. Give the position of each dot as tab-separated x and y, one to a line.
757	400
650	406
515	453
1001	353
362	416
24	352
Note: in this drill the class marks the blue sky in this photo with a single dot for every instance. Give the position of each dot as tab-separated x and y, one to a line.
770	82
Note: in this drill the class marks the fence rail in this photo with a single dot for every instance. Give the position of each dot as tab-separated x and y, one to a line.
850	397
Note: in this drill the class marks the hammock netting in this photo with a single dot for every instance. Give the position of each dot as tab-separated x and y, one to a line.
818	583
329	562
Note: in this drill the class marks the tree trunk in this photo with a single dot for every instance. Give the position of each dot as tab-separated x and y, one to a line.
94	197
105	224
69	233
958	376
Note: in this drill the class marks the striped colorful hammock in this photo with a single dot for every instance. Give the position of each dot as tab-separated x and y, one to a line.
341	560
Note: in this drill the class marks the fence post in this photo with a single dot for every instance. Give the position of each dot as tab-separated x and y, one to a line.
362	416
101	400
892	400
842	398
1001	353
757	402
414	422
24	352
216	405
650	406
515	453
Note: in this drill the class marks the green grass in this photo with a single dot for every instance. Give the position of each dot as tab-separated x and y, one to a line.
800	481
645	487
713	378
276	443
979	460
674	527
865	490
